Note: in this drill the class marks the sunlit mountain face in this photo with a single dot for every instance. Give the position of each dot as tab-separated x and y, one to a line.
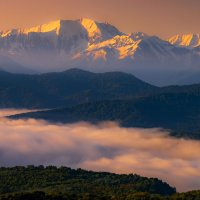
99	47
186	40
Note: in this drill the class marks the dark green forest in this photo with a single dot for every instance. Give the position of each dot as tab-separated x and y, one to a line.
52	183
40	195
177	112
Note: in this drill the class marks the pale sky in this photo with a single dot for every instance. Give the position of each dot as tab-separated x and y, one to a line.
161	17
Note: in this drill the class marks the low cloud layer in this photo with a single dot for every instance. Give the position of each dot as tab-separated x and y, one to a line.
106	147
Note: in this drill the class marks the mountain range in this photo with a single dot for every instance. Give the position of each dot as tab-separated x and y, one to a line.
177	113
76	95
100	47
68	88
191	41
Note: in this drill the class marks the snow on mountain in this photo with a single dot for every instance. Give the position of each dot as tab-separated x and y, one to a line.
150	52
51	47
61	34
98	32
117	47
138	36
90	45
186	40
67	35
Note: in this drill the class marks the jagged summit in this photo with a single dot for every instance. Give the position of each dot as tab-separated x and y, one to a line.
99	31
186	40
138	35
48	27
95	31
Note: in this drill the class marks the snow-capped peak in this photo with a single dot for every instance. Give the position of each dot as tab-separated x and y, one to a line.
138	36
49	27
186	40
95	31
98	32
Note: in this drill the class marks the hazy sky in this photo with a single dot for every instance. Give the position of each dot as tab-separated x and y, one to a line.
161	17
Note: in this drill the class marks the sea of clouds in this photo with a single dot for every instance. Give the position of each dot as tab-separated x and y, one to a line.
103	147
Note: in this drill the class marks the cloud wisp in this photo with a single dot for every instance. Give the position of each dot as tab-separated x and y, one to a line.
9	111
105	147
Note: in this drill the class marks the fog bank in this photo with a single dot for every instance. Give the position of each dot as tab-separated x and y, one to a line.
106	147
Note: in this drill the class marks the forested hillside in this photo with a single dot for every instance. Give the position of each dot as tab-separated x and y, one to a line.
67	88
76	184
177	112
